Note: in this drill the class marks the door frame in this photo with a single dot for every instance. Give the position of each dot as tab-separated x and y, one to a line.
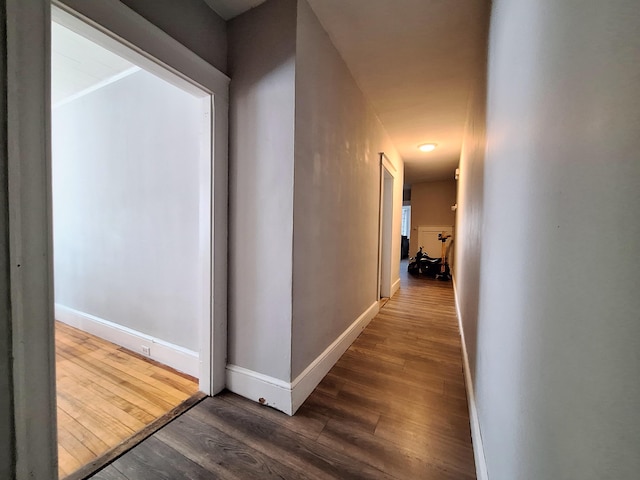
29	250
385	228
70	19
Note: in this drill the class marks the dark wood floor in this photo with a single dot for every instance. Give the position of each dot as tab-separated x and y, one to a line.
393	407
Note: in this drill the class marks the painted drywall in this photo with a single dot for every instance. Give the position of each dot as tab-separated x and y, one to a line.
6	378
555	349
190	22
337	196
291	88
431	205
126	162
261	149
469	241
469	220
7	430
7	448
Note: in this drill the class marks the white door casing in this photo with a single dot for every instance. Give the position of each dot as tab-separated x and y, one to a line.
29	207
385	245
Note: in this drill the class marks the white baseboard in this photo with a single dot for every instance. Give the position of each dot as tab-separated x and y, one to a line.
476	436
174	356
395	287
260	388
288	397
308	380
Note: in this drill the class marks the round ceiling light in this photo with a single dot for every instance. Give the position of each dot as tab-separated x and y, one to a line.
427	147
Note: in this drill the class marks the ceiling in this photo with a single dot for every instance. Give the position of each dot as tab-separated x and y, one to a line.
79	66
415	61
228	9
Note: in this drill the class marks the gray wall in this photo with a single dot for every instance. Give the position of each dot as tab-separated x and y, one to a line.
126	162
6	379
191	22
336	201
431	205
261	144
469	220
290	88
558	333
7	440
27	154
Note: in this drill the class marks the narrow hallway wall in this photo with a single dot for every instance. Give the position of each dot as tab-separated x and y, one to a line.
7	430
304	179
470	232
337	196
555	348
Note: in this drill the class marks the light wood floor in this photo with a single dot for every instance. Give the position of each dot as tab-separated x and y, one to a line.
106	394
393	407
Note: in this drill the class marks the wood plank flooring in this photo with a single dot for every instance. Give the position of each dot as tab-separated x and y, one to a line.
393	407
106	394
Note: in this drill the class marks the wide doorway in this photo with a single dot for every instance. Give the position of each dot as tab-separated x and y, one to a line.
131	191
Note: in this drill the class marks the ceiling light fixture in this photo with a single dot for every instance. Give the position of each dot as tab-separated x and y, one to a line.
427	147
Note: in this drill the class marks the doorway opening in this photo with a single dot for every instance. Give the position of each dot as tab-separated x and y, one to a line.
132	230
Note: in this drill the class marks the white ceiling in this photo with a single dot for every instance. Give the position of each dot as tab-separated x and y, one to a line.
78	65
415	61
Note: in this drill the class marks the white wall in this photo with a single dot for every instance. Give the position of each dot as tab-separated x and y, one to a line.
126	161
557	331
337	196
262	68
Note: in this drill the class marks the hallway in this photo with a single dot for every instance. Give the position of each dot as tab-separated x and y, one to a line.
394	406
